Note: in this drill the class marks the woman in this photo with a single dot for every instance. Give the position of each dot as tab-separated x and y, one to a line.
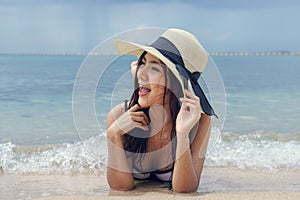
163	131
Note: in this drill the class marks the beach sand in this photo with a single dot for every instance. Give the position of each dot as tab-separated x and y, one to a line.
214	196
216	183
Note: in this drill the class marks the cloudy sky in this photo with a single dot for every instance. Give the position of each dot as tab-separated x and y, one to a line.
78	26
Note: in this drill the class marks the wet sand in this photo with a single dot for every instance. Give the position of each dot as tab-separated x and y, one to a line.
216	183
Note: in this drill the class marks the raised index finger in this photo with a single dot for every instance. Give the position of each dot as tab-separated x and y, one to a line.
134	108
190	95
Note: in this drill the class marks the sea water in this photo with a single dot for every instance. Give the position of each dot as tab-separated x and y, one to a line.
38	134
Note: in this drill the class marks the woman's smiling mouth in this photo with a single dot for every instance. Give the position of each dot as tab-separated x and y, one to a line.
144	91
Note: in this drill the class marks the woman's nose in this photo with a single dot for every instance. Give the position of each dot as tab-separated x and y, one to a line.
142	73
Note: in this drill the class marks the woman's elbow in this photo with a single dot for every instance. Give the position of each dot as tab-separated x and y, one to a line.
122	185
185	188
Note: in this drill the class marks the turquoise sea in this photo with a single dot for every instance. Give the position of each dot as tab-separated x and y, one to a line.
38	133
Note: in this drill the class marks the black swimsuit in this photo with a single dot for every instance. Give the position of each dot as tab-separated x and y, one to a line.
162	175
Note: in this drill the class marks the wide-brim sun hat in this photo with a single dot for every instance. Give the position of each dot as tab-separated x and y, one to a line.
182	53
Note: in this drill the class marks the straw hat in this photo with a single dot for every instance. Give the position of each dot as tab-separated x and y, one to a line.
183	55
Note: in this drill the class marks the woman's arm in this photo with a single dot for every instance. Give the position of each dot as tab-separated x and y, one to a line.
118	178
190	158
119	122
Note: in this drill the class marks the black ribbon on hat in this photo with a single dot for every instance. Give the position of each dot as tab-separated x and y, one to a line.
169	50
196	87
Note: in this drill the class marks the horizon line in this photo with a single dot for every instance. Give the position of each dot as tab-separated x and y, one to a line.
221	53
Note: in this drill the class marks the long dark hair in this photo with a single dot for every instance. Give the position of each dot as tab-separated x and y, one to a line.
137	146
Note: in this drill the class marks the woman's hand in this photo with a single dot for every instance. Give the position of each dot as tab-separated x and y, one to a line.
189	113
133	67
132	119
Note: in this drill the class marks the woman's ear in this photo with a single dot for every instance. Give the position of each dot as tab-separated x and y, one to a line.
133	67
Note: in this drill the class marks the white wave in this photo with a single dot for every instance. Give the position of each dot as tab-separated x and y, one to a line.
257	150
86	157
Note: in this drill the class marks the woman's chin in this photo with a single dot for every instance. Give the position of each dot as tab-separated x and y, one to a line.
148	102
144	103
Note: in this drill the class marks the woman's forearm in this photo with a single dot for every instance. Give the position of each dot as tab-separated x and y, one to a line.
185	178
119	175
190	157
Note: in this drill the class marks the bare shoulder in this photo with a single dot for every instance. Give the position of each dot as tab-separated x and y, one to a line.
115	113
203	125
201	133
205	119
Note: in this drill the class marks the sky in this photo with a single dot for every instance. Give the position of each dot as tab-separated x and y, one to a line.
78	26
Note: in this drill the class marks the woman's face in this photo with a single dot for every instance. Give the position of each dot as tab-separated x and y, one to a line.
151	80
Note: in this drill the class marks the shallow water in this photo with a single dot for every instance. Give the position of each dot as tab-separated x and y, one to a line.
38	134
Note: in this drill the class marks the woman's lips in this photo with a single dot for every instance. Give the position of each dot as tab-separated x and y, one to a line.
144	91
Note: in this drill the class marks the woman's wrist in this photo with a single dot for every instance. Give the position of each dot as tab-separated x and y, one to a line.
182	136
114	133
183	144
183	130
183	133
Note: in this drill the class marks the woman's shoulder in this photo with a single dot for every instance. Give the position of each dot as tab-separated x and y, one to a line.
115	113
118	110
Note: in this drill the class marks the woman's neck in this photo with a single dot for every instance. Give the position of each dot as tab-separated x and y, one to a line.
160	118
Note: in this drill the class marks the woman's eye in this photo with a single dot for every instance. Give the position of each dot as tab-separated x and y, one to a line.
155	69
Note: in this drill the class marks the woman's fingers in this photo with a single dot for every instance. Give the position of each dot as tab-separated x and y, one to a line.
134	63
190	95
190	107
190	102
133	67
141	114
134	108
139	125
139	119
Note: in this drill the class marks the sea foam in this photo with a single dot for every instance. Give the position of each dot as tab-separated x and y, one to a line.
257	150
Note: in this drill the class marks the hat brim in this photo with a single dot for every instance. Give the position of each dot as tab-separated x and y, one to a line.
131	48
